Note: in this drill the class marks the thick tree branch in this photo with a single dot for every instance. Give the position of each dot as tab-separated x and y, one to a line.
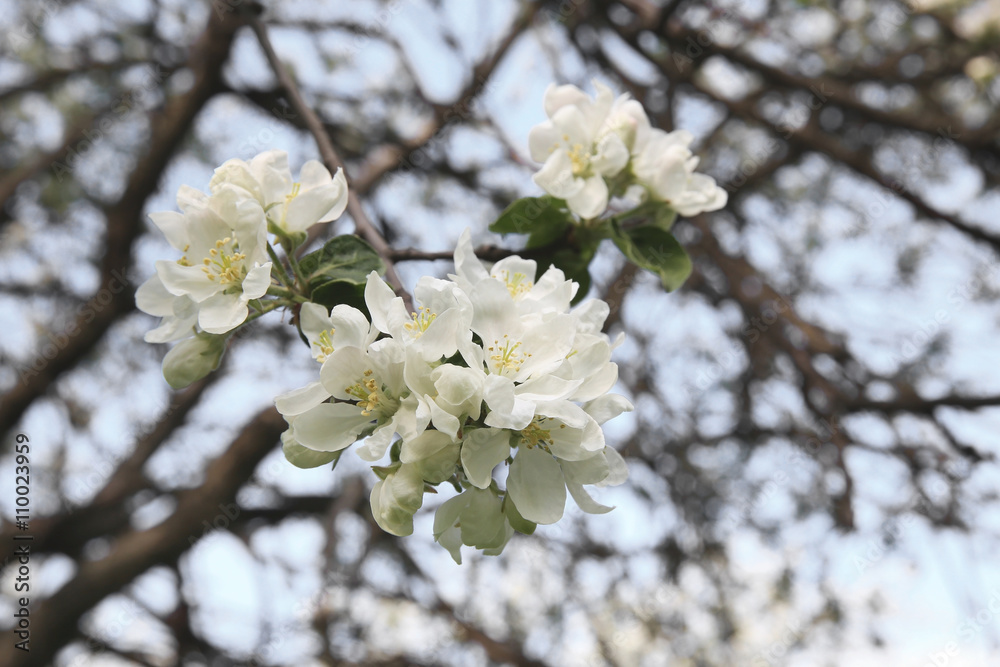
125	220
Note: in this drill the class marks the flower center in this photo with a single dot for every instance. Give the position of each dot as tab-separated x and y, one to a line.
421	320
325	345
579	156
506	356
533	435
224	262
370	395
518	285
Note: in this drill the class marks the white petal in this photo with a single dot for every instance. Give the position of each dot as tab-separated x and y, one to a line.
590	315
543	139
557	97
270	168
314	320
591	200
221	313
506	410
584	501
467	265
447	514
509	267
297	401
482	450
556	176
377	443
590	470
309	206
423	446
153	298
256	282
351	327
570	414
609	406
342	369
536	485
185	280
329	427
618	468
612	156
174	227
379	297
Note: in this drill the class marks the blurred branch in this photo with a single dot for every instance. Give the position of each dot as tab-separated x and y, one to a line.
333	162
106	513
125	219
54	622
48	78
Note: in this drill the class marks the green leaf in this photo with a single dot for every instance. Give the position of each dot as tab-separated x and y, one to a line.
653	213
514	518
576	267
303	457
545	218
345	258
335	292
656	249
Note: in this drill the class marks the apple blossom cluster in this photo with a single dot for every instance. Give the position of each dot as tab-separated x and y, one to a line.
495	383
492	377
224	268
597	148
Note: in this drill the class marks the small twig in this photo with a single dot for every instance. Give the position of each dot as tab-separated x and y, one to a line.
332	161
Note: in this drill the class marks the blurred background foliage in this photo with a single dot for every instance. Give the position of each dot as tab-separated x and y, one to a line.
813	454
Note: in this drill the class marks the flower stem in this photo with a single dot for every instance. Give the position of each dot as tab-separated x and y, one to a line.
266	308
279	268
286	295
289	245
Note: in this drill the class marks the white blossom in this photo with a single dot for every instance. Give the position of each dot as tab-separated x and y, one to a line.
223	240
293	206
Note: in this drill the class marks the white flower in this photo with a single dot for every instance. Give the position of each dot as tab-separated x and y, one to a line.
564	449
294	206
628	120
346	326
577	155
435	329
369	384
552	293
223	238
443	396
179	313
665	166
